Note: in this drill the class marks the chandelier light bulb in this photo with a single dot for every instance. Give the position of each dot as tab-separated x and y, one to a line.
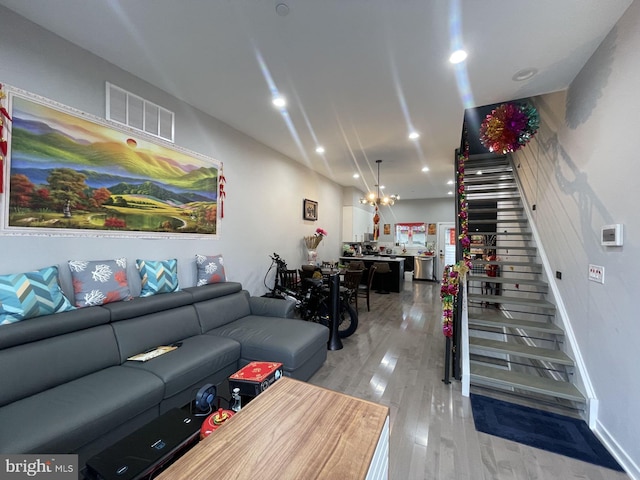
374	198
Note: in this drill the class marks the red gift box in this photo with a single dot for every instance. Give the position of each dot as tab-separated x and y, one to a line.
255	378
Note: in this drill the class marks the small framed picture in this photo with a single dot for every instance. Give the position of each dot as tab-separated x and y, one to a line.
309	210
387	229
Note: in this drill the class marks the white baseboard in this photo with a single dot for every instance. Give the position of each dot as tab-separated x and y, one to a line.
630	467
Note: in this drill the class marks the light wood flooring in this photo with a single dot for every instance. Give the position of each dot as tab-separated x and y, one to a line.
396	358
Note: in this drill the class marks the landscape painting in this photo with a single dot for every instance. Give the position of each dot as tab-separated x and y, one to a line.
69	172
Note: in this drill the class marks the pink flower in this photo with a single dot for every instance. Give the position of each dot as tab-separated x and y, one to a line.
321	232
447	329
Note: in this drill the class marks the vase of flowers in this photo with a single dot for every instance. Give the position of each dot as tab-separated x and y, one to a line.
312	242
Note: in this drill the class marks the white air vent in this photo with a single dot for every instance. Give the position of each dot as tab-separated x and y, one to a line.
136	112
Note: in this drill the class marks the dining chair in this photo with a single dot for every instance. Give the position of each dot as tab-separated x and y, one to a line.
364	290
351	282
384	270
289	279
355	265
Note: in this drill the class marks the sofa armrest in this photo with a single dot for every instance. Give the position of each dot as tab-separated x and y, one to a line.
272	307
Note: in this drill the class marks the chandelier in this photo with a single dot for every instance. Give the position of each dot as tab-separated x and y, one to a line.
374	198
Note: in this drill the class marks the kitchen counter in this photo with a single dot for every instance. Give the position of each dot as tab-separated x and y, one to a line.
396	278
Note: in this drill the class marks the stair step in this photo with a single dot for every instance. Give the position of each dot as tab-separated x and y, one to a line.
488	178
508	280
498	220
490	187
504	263
507	299
489	196
495	210
519	350
501	234
484	375
497	321
504	247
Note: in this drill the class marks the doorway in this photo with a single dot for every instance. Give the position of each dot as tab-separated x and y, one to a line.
446	246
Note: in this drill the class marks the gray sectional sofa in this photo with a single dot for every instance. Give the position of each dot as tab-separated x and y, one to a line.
67	386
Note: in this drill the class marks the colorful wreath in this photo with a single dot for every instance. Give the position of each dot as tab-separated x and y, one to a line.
509	127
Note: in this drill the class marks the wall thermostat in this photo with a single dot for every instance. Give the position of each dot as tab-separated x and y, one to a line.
611	235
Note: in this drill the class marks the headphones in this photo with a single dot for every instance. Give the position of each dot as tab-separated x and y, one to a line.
205	397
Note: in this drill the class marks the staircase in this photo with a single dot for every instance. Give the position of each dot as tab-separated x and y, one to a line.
515	345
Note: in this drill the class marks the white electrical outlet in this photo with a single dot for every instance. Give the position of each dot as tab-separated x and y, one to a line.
596	273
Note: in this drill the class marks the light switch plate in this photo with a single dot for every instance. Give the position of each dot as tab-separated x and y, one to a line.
596	273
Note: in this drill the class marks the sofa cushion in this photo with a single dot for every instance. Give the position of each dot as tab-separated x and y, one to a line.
210	269
288	341
34	367
213	290
139	306
223	310
31	294
158	276
66	417
136	335
196	359
44	327
98	282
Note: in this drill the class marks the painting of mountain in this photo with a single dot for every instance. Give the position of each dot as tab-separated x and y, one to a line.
70	172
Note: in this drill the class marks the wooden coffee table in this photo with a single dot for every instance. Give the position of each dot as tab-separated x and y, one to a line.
293	430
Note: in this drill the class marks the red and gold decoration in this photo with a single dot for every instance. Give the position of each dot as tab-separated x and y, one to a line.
215	421
4	117
509	127
376	225
221	193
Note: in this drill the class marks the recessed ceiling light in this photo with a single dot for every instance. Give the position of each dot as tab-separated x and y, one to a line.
381	187
425	169
524	74
414	136
279	101
450	182
449	193
356	175
319	149
458	56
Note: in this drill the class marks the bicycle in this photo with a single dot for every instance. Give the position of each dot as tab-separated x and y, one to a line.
312	301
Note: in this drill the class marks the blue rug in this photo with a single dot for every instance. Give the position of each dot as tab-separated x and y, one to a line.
545	430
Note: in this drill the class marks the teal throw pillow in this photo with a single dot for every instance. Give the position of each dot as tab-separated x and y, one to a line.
31	294
210	269
158	276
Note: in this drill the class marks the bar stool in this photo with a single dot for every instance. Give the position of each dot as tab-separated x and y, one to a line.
383	270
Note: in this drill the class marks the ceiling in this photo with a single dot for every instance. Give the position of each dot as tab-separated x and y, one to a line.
358	75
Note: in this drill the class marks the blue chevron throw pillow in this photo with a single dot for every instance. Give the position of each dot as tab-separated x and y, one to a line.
158	276
31	294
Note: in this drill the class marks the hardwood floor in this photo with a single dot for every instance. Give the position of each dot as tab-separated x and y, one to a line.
396	358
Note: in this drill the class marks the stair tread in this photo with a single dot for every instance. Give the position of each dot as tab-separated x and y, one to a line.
556	356
497	320
504	247
523	281
480	261
502	233
522	381
491	221
495	210
532	302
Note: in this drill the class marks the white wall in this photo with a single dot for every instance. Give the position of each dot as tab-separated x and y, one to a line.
581	171
265	190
